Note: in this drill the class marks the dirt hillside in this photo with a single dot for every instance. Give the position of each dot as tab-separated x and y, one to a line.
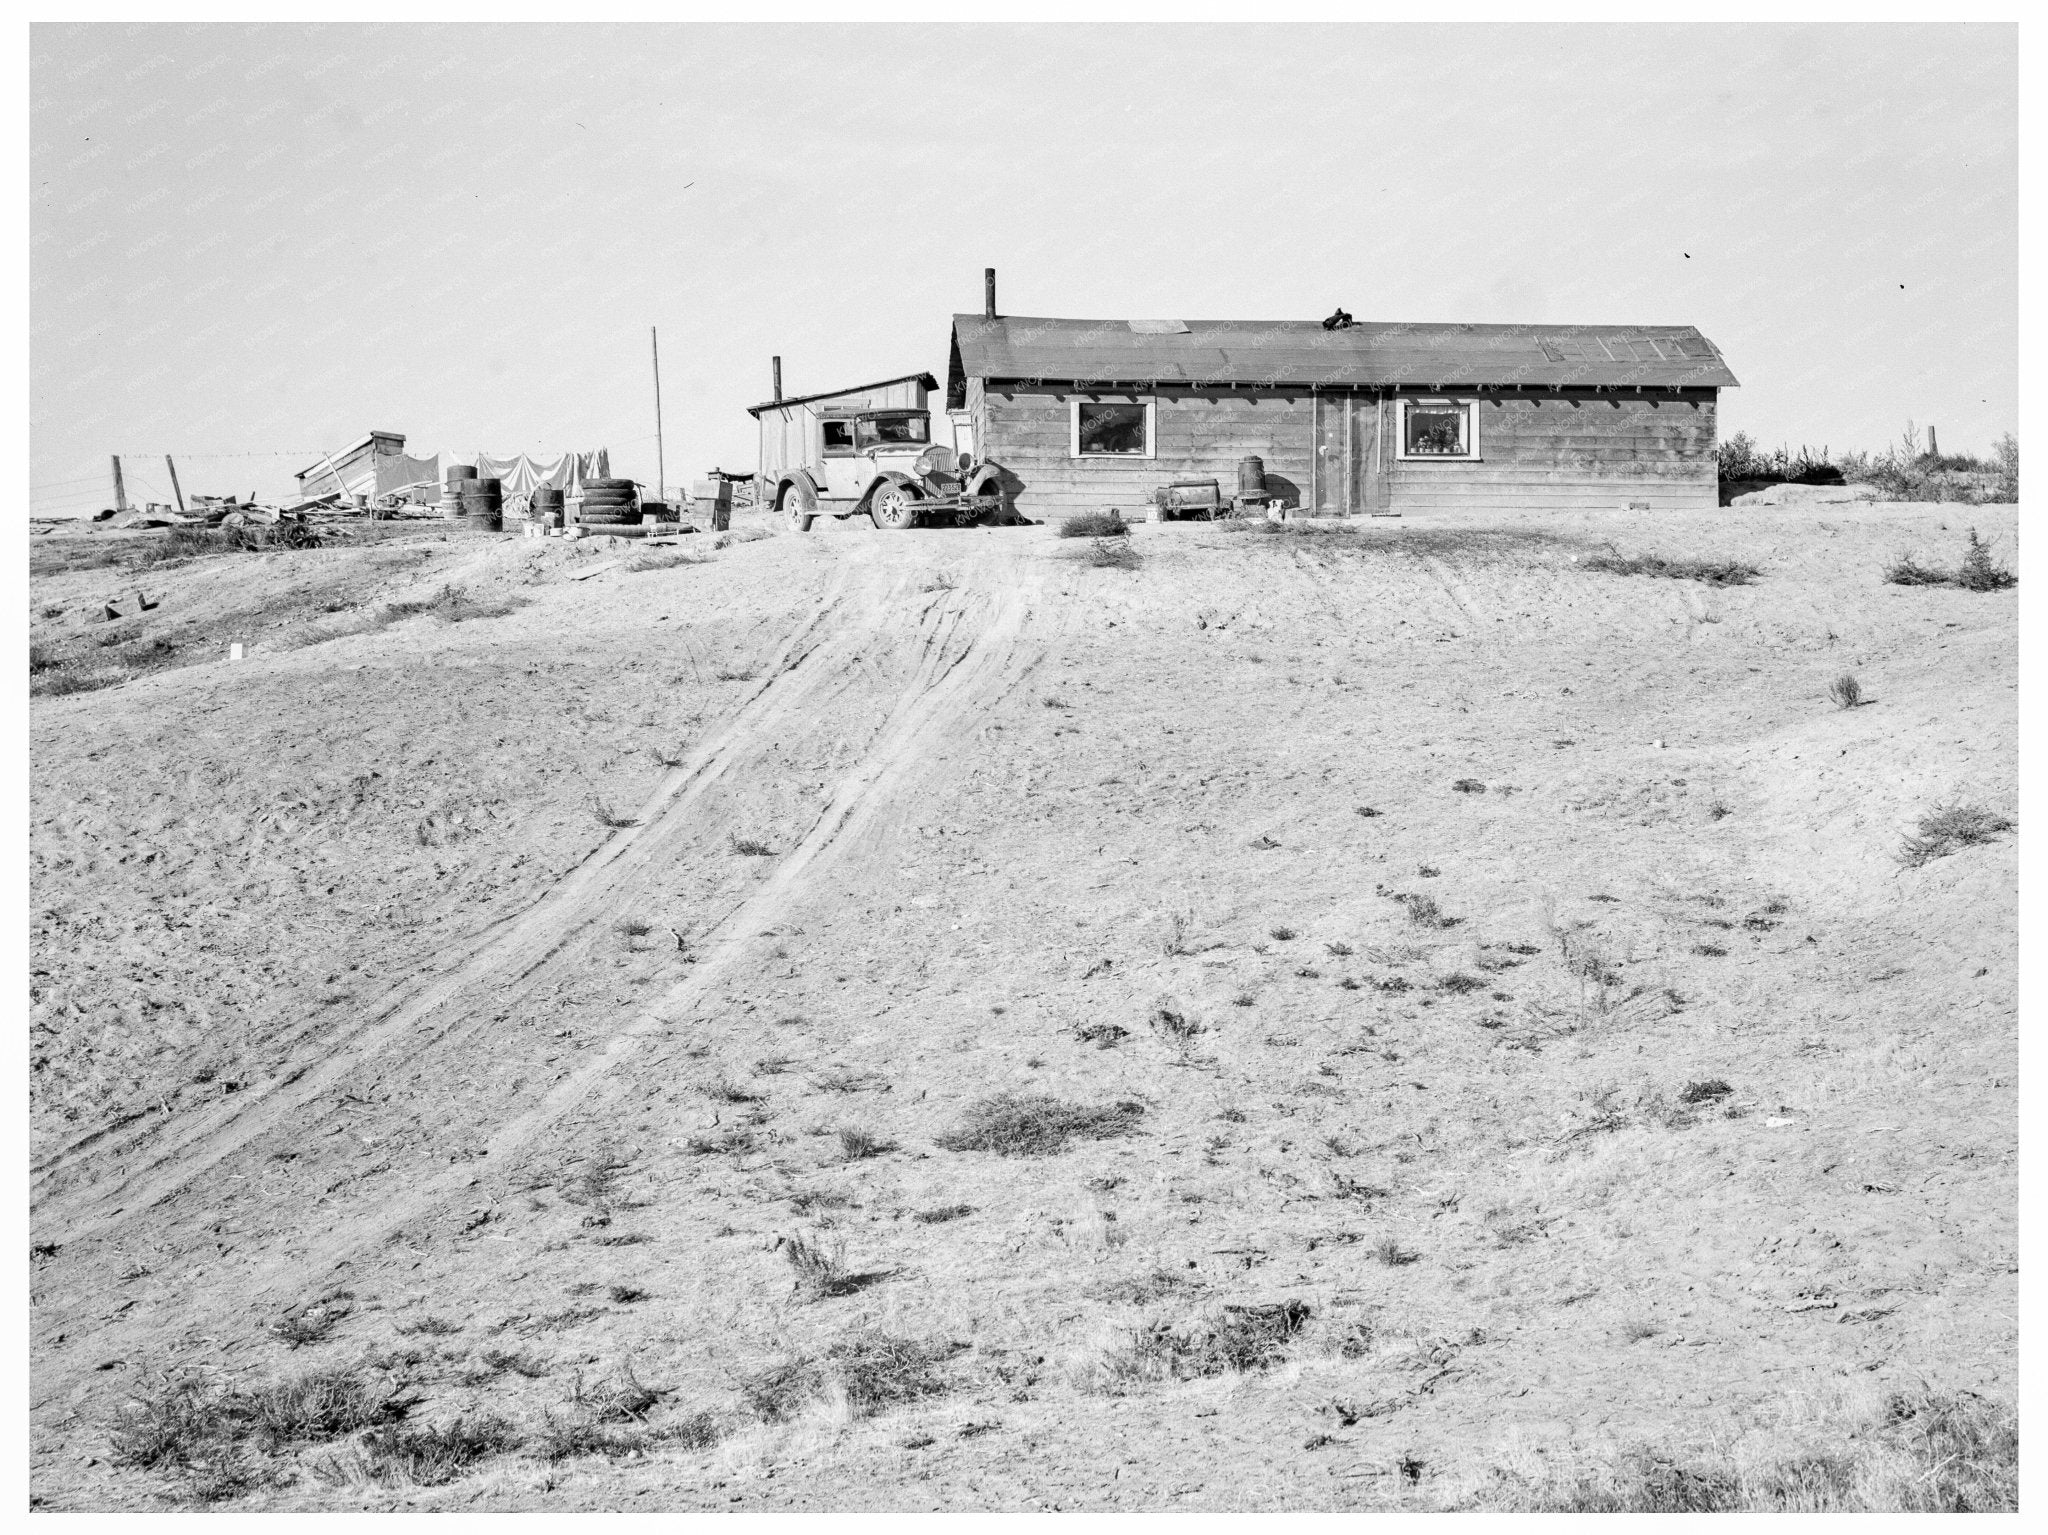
561	1005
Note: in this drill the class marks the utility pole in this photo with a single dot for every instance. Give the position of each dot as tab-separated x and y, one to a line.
120	492
175	491
660	462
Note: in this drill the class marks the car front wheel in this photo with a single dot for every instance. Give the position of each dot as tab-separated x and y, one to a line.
892	507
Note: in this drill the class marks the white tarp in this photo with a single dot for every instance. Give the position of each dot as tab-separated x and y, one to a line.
522	473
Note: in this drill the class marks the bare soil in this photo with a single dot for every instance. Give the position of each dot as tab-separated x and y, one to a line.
1511	963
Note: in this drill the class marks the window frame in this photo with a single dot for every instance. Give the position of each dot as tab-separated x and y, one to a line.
852	448
1151	405
1471	454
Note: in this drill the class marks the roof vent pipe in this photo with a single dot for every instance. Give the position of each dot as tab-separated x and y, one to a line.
775	367
988	278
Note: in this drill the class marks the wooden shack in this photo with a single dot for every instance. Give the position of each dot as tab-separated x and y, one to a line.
373	463
792	431
1370	418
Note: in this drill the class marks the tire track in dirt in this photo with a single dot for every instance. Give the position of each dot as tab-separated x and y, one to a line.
520	948
951	683
510	950
1461	597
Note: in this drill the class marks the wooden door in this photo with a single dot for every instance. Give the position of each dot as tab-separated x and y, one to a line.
1348	458
1329	469
1365	484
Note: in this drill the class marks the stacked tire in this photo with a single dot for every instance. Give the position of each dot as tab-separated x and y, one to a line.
483	504
609	503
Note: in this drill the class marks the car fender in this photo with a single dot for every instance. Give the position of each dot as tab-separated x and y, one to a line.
802	486
985	481
892	476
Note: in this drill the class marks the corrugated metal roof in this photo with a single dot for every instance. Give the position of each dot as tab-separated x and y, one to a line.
804	399
1373	352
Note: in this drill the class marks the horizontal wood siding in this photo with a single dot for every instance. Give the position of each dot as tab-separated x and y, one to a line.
1570	451
1028	432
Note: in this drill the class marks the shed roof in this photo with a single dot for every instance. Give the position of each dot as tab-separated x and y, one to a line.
357	446
830	394
1302	352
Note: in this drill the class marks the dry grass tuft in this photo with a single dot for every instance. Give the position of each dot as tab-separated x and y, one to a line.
218	1442
454	605
1240	1338
820	1274
1906	570
1175	1025
1978	572
1712	572
725	1090
430	1326
1846	692
1950	829
1037	1124
781	1391
1113	554
405	1455
1926	1453
1424	912
1143	1291
1108	524
312	1323
857	1144
878	1370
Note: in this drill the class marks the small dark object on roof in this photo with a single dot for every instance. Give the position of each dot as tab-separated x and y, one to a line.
1339	321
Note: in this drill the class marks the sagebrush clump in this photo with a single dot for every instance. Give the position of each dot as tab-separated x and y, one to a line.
1950	829
1038	1124
1106	524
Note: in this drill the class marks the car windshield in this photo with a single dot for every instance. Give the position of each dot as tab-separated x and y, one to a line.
905	428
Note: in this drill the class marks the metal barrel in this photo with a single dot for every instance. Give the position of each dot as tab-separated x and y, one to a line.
483	503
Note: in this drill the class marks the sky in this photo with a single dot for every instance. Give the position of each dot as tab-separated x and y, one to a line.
252	244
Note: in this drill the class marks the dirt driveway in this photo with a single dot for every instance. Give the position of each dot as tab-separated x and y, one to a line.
1510	962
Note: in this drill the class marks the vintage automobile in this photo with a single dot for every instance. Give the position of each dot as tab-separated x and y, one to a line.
884	463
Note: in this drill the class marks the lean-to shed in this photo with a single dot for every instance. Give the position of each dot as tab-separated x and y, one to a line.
373	463
1373	417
